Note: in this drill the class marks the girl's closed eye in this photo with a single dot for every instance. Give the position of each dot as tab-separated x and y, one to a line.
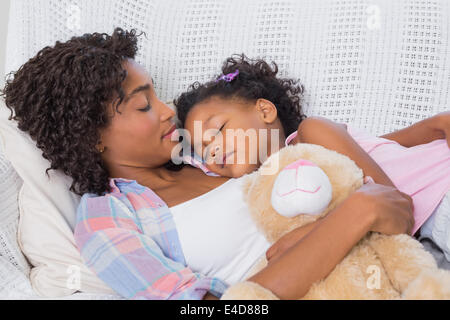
220	129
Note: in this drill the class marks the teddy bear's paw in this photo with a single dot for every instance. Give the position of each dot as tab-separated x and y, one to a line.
429	285
248	290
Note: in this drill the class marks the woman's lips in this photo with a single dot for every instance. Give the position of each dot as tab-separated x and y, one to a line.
169	133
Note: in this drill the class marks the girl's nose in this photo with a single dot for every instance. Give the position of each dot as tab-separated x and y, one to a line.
215	150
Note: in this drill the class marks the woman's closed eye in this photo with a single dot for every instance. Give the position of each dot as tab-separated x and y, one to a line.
147	108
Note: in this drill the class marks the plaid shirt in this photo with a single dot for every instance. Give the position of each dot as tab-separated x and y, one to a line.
128	238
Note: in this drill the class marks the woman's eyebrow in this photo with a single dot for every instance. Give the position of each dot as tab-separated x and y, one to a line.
136	90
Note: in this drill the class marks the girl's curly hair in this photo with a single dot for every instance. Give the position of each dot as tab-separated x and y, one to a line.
256	79
60	98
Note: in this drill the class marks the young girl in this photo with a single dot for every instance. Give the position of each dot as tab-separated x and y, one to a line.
249	97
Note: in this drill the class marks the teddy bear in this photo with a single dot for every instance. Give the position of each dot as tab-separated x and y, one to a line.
378	266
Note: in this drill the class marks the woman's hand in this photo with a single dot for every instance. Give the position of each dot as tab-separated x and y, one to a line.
391	210
373	207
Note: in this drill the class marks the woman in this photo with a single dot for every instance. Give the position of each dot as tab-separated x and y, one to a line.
94	113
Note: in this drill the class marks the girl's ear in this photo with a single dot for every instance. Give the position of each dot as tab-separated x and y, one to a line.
267	110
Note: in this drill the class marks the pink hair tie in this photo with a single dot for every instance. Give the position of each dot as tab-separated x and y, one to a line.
228	77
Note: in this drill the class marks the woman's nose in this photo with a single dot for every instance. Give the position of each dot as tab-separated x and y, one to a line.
166	112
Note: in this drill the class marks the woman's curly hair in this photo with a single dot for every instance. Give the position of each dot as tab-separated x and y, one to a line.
256	79
60	98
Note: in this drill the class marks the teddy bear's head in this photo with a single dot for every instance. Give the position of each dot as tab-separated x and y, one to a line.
298	185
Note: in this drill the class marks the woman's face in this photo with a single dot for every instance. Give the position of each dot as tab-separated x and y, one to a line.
138	136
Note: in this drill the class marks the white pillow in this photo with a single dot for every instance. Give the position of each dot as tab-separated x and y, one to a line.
47	217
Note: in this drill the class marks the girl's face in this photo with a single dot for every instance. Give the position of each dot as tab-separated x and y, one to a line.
138	136
233	136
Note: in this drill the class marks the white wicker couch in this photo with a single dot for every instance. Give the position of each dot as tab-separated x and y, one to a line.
379	64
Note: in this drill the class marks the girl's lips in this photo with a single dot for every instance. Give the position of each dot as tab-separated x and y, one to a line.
169	133
225	156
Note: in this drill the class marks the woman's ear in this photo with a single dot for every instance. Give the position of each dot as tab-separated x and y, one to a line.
267	110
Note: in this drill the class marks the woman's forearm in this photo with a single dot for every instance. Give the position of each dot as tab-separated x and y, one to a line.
419	133
311	259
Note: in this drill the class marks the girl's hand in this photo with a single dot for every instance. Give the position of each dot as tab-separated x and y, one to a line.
441	123
424	131
287	241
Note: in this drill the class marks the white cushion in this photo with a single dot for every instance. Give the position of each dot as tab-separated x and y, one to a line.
47	217
14	269
48	242
380	65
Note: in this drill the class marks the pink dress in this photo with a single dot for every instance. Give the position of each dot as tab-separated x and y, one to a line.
422	172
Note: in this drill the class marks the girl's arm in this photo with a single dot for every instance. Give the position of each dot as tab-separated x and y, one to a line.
334	136
373	207
427	130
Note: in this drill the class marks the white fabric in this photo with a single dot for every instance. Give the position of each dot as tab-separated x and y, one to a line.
48	242
437	227
379	64
217	233
14	268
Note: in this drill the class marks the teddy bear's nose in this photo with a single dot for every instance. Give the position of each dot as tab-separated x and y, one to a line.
301	187
300	163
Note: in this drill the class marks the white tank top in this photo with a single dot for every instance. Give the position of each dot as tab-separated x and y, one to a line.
217	235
